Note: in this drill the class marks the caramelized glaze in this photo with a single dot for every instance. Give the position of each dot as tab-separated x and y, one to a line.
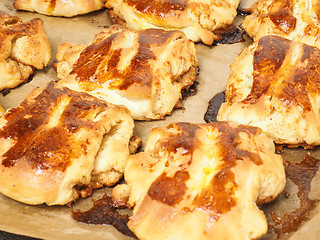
218	197
45	147
281	14
268	58
186	140
229	141
317	10
159	8
51	6
275	75
169	190
98	62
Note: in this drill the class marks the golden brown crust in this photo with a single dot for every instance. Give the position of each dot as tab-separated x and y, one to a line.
57	139
292	19
210	174
143	70
274	86
116	19
197	19
23	47
2	111
63	8
160	9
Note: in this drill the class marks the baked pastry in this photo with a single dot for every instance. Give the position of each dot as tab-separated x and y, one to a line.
143	70
24	46
292	19
198	19
274	84
63	8
58	142
2	111
203	177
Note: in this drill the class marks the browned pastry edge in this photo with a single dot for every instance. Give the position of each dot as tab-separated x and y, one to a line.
116	19
6	91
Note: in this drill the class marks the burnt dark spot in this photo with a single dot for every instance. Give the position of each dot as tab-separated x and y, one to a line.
191	91
213	107
104	212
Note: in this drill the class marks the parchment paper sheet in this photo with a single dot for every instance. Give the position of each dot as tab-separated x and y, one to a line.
56	222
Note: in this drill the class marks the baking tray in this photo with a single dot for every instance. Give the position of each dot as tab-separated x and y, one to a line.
56	222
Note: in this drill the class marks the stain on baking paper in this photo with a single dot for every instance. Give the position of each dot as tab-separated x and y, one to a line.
213	107
300	174
191	91
104	212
